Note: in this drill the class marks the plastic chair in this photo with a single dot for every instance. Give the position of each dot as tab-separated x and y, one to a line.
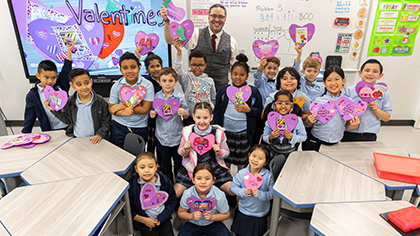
134	144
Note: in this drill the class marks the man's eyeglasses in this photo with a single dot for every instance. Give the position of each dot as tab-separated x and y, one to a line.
284	103
221	17
197	65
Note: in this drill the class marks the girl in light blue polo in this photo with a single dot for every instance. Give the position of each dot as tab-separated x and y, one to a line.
332	131
128	119
251	215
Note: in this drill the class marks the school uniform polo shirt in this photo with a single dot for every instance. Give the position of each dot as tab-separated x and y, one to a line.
83	127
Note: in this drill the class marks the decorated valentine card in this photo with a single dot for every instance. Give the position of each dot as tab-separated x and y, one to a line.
201	144
147	41
299	100
18	141
174	13
239	95
349	109
368	92
57	99
151	198
324	111
182	31
282	123
253	181
132	96
166	109
203	205
265	49
302	34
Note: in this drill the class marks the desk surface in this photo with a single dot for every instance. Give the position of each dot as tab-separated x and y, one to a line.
354	218
69	207
16	159
359	156
77	158
3	231
309	177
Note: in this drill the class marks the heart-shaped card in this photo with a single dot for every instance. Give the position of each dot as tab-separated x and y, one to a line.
282	123
166	109
368	92
132	96
151	198
182	31
324	111
174	13
203	205
299	100
265	49
239	95
201	144
57	99
148	41
253	181
18	141
349	109
302	34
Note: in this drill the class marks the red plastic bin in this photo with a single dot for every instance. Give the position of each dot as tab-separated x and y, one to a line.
399	168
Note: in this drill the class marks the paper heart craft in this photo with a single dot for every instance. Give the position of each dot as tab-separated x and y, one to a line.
324	111
349	109
202	205
299	100
132	96
182	31
174	13
265	49
150	197
368	92
148	41
302	34
57	99
166	109
282	123
253	181
201	144
18	141
239	95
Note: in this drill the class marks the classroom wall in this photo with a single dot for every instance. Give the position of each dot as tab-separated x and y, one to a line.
402	74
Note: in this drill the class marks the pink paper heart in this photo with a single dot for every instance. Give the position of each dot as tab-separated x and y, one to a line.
151	198
302	34
57	99
202	205
182	31
18	141
201	144
166	109
148	41
253	181
368	92
239	95
282	123
325	112
349	109
132	96
174	13
265	49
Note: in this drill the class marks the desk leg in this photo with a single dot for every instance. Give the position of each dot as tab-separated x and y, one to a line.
128	214
11	183
275	212
398	194
414	196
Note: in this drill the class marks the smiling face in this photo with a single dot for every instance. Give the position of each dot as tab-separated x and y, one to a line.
217	19
371	73
82	84
288	82
203	180
202	118
257	160
154	68
146	168
283	105
271	70
334	83
47	77
168	83
130	70
310	73
239	76
197	65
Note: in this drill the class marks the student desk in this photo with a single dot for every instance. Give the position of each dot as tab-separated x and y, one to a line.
78	158
309	177
3	231
70	207
354	218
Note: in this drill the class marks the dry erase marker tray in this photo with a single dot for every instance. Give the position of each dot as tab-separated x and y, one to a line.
399	168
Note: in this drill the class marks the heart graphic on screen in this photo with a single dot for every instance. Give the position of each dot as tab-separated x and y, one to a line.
182	31
239	95
282	123
253	181
151	198
324	111
114	34
349	109
368	92
302	34
57	99
203	205
265	49
201	144
166	109
132	96
148	41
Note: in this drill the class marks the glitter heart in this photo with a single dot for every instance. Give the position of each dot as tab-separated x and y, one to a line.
239	95
265	49
282	123
151	198
166	109
201	144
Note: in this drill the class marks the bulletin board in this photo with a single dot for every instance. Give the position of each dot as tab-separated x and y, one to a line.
279	20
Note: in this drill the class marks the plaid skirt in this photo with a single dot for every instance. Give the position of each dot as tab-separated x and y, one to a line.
238	147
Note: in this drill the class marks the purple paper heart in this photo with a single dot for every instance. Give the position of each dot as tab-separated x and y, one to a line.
18	141
148	41
174	13
57	99
368	92
132	96
302	34
265	49
239	95
203	205
183	31
282	123
325	112
166	109
150	197
349	109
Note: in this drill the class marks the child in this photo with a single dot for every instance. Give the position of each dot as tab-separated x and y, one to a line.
281	146
332	131
197	86
203	116
155	221
264	78
209	222
168	132
86	113
311	69
380	109
251	215
47	75
127	118
239	120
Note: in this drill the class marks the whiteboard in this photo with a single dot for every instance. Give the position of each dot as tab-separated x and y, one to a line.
267	20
